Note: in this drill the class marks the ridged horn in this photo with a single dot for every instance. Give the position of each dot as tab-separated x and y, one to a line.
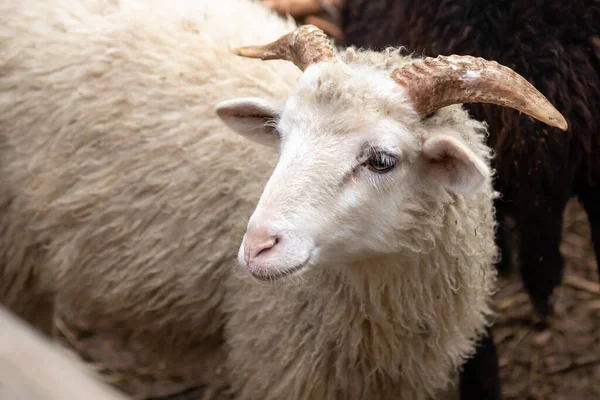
433	83
304	46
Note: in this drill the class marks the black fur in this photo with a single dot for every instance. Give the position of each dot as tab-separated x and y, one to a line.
480	377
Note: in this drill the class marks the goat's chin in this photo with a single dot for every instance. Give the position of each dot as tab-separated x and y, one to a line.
272	275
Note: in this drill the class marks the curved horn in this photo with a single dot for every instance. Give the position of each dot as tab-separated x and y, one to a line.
433	83
304	46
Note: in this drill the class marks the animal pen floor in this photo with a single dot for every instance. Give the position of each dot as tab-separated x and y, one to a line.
561	362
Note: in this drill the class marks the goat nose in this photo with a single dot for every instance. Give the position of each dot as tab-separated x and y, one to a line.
257	244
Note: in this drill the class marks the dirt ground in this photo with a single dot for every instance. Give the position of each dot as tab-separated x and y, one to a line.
559	362
563	361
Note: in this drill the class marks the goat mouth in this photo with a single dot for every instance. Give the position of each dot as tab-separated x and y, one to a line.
272	276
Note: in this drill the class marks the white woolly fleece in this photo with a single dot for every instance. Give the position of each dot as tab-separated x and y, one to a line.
125	198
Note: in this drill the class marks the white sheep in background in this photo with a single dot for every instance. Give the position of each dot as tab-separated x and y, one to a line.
125	197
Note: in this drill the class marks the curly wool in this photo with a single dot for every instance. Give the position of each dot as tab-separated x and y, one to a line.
125	198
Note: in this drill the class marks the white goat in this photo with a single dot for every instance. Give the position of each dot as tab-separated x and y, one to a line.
123	193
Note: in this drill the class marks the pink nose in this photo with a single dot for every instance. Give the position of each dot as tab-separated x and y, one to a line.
257	244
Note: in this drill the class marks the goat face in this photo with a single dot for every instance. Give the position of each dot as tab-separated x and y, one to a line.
358	170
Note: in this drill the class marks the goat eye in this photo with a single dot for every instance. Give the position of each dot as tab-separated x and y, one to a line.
381	162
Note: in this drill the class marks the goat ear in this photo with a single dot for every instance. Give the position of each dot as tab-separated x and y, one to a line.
249	117
453	164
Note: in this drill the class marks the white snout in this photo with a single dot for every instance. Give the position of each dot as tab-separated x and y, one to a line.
269	254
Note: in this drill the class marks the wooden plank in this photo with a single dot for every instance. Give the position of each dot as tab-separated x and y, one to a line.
34	368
